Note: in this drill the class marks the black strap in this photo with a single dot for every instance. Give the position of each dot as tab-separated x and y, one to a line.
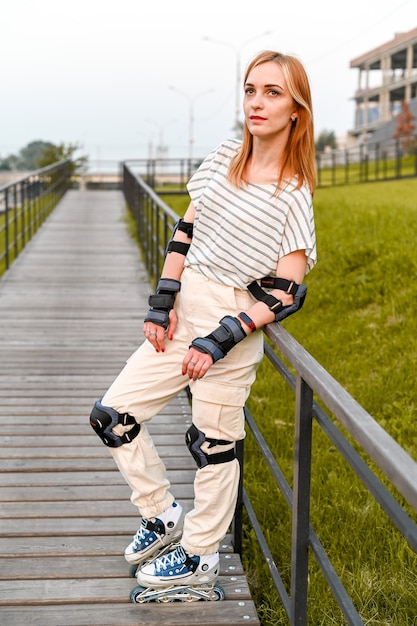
261	295
270	282
130	434
221	457
178	246
186	227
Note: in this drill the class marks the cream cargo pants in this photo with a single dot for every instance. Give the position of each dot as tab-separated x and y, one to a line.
150	380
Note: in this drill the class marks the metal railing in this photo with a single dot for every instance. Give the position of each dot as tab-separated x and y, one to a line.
25	204
312	385
364	163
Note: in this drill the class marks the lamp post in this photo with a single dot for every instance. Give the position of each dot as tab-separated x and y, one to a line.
237	50
191	100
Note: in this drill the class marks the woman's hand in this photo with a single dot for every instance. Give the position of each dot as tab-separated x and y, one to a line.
196	364
155	334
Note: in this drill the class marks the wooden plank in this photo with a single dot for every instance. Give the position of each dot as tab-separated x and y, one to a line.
79	463
77	492
67	591
82	478
72	307
233	613
84	567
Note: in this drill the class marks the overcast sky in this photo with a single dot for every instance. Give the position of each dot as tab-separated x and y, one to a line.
100	73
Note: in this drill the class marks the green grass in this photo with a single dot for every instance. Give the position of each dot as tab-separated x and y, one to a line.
359	322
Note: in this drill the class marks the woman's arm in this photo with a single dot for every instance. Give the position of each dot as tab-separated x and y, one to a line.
292	267
174	261
172	270
202	352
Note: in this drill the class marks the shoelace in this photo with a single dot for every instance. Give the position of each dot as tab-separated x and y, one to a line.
141	533
177	557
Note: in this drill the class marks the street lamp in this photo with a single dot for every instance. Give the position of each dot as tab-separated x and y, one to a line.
237	50
191	100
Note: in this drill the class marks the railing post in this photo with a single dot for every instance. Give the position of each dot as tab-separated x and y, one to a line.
301	503
238	517
6	230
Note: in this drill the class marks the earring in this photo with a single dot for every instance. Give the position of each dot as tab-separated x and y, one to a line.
293	118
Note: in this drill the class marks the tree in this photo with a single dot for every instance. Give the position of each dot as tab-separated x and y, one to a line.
28	157
405	127
326	139
53	153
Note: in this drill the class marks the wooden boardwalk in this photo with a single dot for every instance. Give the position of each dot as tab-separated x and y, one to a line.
71	310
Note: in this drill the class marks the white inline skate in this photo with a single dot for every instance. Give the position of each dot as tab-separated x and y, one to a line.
177	575
154	535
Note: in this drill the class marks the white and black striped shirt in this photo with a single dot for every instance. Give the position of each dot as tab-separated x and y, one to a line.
240	234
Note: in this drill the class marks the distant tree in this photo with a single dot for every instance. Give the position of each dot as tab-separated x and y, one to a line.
53	153
326	139
28	157
405	129
10	163
5	165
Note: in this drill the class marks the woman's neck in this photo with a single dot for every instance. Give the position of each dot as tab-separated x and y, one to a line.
264	164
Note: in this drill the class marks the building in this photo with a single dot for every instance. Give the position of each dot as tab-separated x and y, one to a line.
387	76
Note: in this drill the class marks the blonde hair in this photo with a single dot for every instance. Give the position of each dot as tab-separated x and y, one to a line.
299	154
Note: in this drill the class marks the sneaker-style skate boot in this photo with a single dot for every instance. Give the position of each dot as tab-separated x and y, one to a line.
177	575
154	535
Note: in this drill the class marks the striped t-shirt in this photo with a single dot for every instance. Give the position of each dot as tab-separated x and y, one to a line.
241	233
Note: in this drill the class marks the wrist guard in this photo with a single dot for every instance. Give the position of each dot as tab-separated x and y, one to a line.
218	343
162	302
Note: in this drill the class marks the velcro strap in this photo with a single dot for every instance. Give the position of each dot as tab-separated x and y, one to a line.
168	285
217	442
258	293
221	457
130	434
160	318
164	301
203	344
178	246
186	227
269	282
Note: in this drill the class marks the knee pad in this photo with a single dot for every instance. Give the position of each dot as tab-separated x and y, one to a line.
103	419
194	438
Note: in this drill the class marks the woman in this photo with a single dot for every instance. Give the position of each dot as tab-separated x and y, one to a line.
250	217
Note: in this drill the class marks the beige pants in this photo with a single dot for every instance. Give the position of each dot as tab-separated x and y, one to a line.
150	380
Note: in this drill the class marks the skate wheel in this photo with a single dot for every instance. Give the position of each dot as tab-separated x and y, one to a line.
136	595
133	570
218	593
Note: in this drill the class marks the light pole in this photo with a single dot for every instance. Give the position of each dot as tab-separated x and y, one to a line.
191	100
237	50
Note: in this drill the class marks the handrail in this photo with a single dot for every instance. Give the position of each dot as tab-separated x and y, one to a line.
25	203
310	381
363	163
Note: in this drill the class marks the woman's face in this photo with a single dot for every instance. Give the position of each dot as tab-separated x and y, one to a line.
268	105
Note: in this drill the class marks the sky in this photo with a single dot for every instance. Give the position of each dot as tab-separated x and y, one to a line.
120	78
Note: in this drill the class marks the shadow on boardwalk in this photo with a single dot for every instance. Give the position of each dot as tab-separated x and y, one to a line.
71	310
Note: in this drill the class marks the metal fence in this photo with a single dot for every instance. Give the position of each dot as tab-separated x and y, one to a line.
360	164
25	204
366	163
314	389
